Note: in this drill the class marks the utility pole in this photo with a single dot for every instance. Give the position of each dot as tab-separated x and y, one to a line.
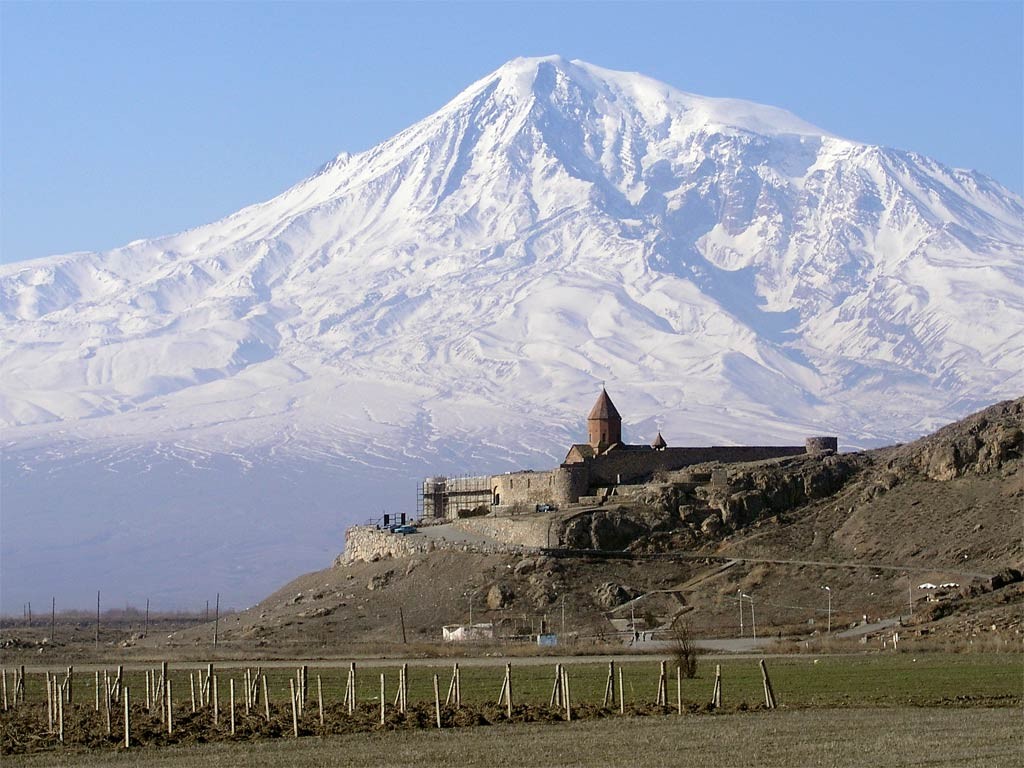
53	616
146	632
97	618
829	590
216	621
563	615
753	621
739	599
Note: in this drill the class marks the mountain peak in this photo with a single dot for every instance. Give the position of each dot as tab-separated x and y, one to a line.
446	301
557	79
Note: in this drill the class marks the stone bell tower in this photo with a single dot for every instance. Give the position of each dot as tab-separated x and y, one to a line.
604	425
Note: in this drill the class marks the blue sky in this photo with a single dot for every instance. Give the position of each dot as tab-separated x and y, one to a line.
122	121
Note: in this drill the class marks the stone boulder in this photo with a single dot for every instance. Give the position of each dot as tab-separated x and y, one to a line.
380	581
499	596
712	525
611	595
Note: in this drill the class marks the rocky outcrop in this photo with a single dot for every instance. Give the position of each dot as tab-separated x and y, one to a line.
614	528
989	442
610	595
984	443
758	490
500	596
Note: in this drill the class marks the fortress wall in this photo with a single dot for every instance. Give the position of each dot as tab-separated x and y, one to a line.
571	482
527	488
520	532
632	465
367	543
821	444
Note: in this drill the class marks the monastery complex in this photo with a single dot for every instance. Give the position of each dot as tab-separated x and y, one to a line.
590	472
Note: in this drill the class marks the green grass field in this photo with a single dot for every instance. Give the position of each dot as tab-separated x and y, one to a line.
827	681
822	701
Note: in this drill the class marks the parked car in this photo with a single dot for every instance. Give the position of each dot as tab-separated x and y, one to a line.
404	529
547	508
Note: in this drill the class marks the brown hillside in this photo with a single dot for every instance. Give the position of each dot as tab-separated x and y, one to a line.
872	526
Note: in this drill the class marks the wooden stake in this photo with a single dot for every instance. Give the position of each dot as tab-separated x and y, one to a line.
4	675
266	699
458	687
164	676
60	710
295	710
769	694
231	686
679	689
501	693
106	698
662	697
556	689
170	709
622	695
192	689
49	704
216	702
149	687
716	694
70	688
320	700
451	689
568	699
508	689
97	690
382	702
437	701
352	683
127	720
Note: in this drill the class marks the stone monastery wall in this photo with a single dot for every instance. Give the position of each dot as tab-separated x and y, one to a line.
625	466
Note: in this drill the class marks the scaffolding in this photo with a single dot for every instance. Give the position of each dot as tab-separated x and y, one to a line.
452	497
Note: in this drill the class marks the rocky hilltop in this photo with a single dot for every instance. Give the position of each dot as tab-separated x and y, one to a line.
873	526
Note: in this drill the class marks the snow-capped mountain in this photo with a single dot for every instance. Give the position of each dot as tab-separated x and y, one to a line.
450	300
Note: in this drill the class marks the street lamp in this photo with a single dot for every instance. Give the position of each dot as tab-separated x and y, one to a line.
829	590
753	621
739	592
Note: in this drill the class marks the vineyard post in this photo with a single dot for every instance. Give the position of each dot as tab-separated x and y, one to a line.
127	719
437	702
320	700
266	699
295	711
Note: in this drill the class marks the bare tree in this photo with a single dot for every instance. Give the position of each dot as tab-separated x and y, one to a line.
684	651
